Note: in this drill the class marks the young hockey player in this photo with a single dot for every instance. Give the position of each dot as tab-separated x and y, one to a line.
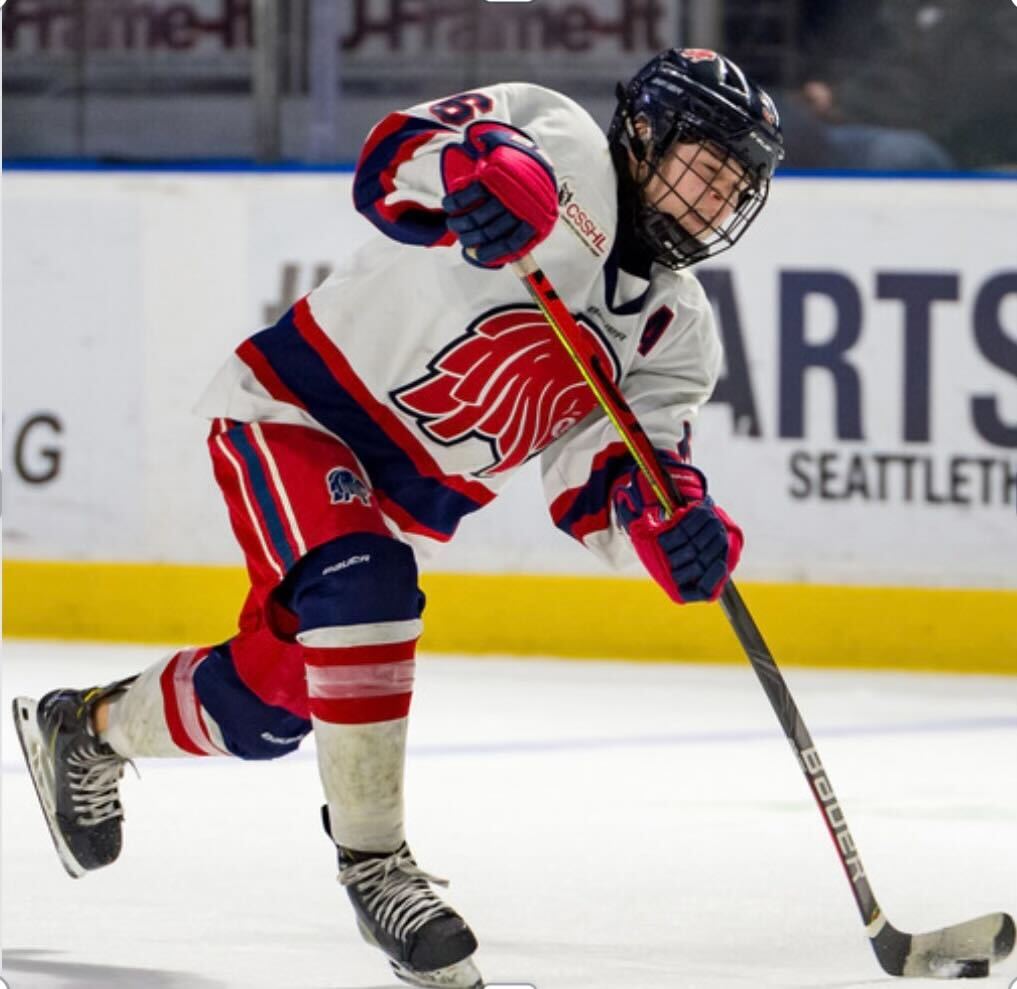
399	396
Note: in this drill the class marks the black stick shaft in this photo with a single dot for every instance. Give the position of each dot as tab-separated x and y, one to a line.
790	718
615	406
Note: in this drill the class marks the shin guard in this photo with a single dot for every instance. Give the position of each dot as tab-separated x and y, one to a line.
358	607
360	698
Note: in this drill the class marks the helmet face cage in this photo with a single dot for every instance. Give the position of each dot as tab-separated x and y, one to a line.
711	199
704	156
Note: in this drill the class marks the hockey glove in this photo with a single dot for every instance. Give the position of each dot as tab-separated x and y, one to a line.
692	553
502	199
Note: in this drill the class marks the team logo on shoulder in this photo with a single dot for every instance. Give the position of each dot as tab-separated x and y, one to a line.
506	381
579	221
344	486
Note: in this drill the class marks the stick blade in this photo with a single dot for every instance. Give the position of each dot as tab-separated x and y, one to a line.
942	953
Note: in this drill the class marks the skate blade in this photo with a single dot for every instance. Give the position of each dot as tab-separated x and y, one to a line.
462	975
36	759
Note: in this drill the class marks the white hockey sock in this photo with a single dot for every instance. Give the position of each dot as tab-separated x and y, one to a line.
361	770
159	714
360	681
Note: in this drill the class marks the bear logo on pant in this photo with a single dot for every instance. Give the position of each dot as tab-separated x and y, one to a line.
344	486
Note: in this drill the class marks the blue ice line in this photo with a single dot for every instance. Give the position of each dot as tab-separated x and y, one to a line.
183	165
523	746
707	737
250	166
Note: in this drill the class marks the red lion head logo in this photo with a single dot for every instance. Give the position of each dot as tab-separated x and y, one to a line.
506	380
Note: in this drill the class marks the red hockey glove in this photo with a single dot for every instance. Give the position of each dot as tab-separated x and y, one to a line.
692	554
502	199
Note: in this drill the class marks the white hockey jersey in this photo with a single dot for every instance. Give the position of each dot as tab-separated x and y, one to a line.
443	377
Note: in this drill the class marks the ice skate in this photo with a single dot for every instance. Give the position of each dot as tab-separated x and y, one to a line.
76	775
428	944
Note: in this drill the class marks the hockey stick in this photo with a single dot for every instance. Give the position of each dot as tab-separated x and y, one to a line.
961	951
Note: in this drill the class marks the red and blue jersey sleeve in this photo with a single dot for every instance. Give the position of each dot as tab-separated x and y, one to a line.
389	204
398	183
585	508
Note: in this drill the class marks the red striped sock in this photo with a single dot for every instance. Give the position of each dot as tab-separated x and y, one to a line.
181	707
360	684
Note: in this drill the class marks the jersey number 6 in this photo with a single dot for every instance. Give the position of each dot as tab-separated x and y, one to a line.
461	109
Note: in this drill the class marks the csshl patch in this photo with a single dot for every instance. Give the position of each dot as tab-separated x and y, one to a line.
580	222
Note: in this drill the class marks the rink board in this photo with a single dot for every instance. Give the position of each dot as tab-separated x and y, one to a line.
863	432
951	630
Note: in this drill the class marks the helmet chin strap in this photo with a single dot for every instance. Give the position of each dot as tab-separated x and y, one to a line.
635	141
666	229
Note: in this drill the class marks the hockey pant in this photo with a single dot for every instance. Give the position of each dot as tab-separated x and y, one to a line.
326	638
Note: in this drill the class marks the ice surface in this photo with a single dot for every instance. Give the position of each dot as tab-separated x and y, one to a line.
605	826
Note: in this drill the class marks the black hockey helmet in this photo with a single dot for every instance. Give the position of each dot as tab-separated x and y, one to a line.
695	97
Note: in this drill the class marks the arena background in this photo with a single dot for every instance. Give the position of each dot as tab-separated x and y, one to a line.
178	173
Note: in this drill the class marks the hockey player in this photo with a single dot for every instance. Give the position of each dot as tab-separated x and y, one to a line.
399	396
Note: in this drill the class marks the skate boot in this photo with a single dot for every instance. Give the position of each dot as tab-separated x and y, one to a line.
75	775
428	944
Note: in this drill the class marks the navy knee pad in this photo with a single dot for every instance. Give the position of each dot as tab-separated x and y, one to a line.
250	728
359	579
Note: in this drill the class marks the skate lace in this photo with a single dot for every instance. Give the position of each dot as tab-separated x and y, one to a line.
396	892
93	777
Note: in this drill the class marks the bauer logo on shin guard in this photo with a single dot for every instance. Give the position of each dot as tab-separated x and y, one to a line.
344	486
345	564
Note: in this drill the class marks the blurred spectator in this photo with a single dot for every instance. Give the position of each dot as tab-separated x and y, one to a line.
909	78
819	137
